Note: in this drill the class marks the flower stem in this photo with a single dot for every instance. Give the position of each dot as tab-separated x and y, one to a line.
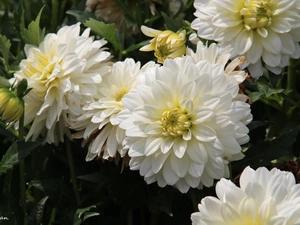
52	218
27	11
72	171
9	129
291	83
55	7
22	172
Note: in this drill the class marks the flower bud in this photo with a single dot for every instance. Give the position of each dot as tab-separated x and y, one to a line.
11	106
165	44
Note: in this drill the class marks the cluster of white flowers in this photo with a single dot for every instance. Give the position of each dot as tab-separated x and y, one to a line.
180	122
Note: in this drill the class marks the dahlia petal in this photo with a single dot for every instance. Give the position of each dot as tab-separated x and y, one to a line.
182	186
263	32
197	152
166	144
272	43
149	31
203	133
168	173
271	59
254	53
179	147
280	25
158	160
152	145
244	41
230	215
256	69
145	166
137	148
196	169
281	6
179	165
226	19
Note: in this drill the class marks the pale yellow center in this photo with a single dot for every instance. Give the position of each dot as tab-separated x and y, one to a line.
256	14
175	122
40	69
122	91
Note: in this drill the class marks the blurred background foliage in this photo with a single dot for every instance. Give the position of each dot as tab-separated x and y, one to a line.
105	194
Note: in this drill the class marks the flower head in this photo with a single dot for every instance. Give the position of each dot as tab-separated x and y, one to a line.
11	105
262	30
264	197
63	72
98	121
182	124
165	44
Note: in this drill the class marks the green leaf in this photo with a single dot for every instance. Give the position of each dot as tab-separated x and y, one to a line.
4	48
262	153
4	83
173	24
9	159
33	35
255	96
36	214
268	91
16	152
134	47
107	31
80	15
83	214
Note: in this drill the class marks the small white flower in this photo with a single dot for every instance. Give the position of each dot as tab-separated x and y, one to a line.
99	117
182	124
261	30
264	197
63	72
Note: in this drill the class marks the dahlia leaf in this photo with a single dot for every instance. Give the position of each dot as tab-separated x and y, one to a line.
16	152
83	214
268	91
107	31
36	215
33	35
4	49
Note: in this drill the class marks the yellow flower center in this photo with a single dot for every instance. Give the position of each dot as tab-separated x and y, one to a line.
175	122
256	14
122	91
40	68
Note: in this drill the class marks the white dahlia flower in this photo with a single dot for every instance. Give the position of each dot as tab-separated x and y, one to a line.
63	72
182	124
98	123
264	198
222	56
261	30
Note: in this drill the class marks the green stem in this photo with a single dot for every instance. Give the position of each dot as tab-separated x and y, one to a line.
292	75
27	11
129	217
52	218
22	172
55	7
15	133
72	171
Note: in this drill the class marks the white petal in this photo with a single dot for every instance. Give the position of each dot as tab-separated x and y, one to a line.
244	41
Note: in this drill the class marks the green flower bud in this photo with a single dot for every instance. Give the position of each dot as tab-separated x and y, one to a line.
11	106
